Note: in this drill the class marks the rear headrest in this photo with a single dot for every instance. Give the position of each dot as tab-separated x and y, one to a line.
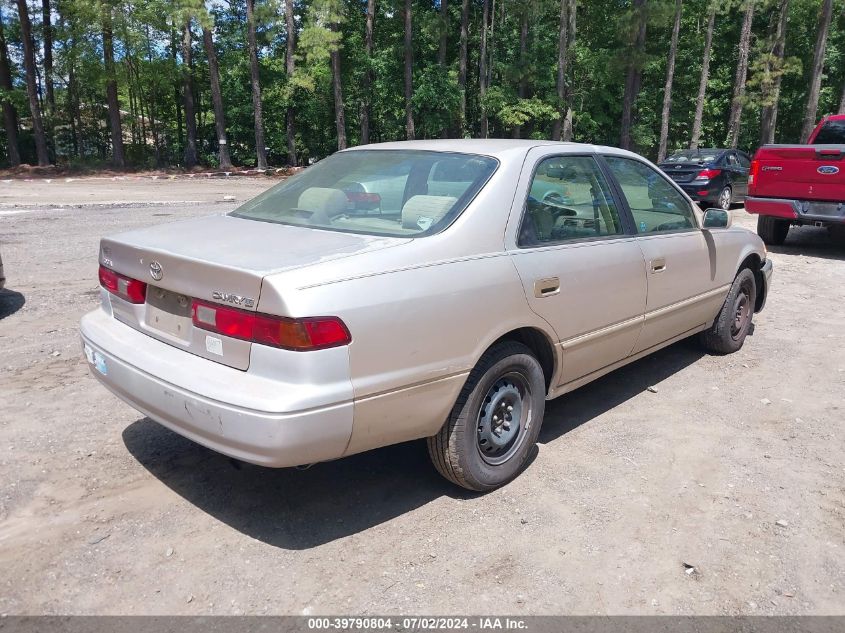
421	212
327	200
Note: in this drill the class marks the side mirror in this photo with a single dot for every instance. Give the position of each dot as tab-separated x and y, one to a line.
717	219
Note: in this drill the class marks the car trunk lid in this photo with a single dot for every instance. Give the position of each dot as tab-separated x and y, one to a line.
801	172
682	172
219	259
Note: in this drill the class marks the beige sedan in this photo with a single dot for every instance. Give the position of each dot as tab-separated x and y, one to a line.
432	289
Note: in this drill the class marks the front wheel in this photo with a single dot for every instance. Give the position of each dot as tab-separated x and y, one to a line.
495	421
728	332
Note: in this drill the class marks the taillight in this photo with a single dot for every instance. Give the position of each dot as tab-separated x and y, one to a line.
126	288
294	334
707	174
752	173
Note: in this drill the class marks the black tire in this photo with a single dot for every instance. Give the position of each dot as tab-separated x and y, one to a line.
725	198
456	450
772	230
728	332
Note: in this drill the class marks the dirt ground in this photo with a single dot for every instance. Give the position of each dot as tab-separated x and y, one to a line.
721	493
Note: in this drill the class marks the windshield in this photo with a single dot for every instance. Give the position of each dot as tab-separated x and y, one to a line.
832	133
398	193
693	156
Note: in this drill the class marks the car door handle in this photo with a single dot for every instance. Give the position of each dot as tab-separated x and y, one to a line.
658	265
546	287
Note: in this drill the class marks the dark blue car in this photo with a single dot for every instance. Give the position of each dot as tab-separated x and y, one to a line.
711	177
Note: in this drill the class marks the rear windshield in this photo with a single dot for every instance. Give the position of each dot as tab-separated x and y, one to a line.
692	156
399	193
832	133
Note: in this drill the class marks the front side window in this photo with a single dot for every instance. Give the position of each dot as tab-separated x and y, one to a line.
832	133
396	193
655	204
569	199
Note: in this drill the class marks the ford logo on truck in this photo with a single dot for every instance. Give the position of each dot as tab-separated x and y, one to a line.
828	170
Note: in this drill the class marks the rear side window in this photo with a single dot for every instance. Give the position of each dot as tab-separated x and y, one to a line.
569	199
655	204
832	133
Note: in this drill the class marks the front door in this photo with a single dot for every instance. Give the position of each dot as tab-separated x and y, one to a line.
680	263
581	270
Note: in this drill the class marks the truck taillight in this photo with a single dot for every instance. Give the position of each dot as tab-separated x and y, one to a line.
126	288
752	173
306	334
707	174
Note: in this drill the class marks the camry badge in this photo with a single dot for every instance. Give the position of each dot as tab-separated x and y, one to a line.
228	297
156	271
828	170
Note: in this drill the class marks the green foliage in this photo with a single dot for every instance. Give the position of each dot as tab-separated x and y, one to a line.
147	38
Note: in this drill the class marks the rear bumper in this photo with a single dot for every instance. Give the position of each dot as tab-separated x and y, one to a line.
248	417
701	193
800	210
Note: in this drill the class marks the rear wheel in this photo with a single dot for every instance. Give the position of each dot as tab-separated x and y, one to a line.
724	199
495	421
728	332
772	230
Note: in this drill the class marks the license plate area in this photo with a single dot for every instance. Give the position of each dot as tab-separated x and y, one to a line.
169	313
827	209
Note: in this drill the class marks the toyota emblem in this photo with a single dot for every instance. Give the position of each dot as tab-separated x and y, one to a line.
156	271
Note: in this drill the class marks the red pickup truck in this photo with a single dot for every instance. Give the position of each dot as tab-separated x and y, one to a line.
800	184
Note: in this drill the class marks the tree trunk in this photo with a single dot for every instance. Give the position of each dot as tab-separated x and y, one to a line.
670	78
368	72
633	76
290	68
769	112
482	68
260	146
441	50
444	33
47	34
562	49
190	154
842	101
153	107
462	68
217	101
567	120
522	86
735	119
32	85
337	84
409	72
818	68
10	116
705	76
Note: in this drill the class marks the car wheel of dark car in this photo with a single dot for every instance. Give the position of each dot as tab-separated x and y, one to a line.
725	199
728	332
495	422
772	230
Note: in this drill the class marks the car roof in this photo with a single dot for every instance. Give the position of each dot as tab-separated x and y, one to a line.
495	147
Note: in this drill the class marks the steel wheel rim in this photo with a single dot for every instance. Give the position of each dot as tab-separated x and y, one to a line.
741	312
725	199
504	418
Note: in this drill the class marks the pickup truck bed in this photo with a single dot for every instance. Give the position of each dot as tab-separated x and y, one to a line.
800	184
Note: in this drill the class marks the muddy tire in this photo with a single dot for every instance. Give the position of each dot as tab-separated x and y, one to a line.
772	230
728	332
494	424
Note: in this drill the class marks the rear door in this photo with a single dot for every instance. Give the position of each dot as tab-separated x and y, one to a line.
738	173
679	262
581	268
